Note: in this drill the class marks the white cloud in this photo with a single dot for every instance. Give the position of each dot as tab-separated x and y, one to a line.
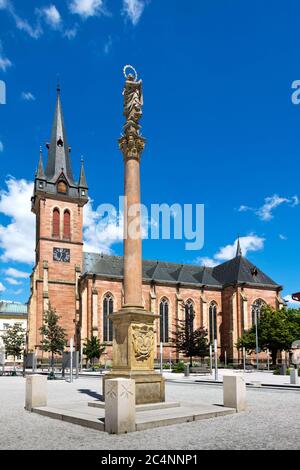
108	45
12	281
22	24
265	212
1	146
248	243
3	4
2	287
291	302
86	8
17	237
209	262
100	233
18	292
51	16
282	237
27	96
5	63
16	273
71	32
133	9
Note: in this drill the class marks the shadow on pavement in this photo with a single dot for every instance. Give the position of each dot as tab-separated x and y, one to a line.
91	393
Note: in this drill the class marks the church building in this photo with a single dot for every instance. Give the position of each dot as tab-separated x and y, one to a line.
85	288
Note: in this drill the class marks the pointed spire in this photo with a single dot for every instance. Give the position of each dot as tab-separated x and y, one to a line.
40	171
58	154
238	248
82	179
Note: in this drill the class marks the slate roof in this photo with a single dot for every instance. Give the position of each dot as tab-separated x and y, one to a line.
58	155
238	270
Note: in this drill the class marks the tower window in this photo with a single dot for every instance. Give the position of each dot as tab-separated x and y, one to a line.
55	223
60	142
67	225
62	187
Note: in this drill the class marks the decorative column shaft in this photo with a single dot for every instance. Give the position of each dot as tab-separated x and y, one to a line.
132	145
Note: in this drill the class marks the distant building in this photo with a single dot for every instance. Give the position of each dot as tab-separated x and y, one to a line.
12	313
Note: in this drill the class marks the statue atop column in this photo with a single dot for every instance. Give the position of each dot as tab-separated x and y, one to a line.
132	143
133	98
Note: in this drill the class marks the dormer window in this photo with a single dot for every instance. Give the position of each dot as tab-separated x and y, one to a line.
60	142
254	271
62	187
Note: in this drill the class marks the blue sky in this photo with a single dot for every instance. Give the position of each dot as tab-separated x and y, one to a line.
218	117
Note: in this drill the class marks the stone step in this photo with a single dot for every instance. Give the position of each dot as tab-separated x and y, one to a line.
94	417
184	414
72	416
145	407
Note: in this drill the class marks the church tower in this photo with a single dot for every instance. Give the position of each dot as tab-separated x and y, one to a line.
57	202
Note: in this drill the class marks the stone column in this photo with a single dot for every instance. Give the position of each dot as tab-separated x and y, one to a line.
132	147
133	326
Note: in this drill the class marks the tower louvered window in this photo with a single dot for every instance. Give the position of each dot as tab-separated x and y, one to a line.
67	225
55	223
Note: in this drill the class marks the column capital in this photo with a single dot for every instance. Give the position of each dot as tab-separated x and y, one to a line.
132	146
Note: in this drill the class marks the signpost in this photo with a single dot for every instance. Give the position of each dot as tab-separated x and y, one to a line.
71	359
161	357
216	359
210	358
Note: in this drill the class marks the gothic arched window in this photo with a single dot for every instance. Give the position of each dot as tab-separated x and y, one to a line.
108	307
256	309
164	320
55	223
213	332
189	316
67	225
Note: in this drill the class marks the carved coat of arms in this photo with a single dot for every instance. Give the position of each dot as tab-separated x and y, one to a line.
143	340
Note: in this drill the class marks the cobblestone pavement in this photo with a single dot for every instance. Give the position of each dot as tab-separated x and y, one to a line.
271	422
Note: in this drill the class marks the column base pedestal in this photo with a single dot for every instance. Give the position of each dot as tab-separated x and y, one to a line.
149	387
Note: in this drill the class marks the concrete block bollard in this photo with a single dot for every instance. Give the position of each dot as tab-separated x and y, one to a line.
294	376
36	391
234	392
119	406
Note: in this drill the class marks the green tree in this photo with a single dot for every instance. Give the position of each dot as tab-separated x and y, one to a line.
14	341
276	329
93	349
54	336
192	343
